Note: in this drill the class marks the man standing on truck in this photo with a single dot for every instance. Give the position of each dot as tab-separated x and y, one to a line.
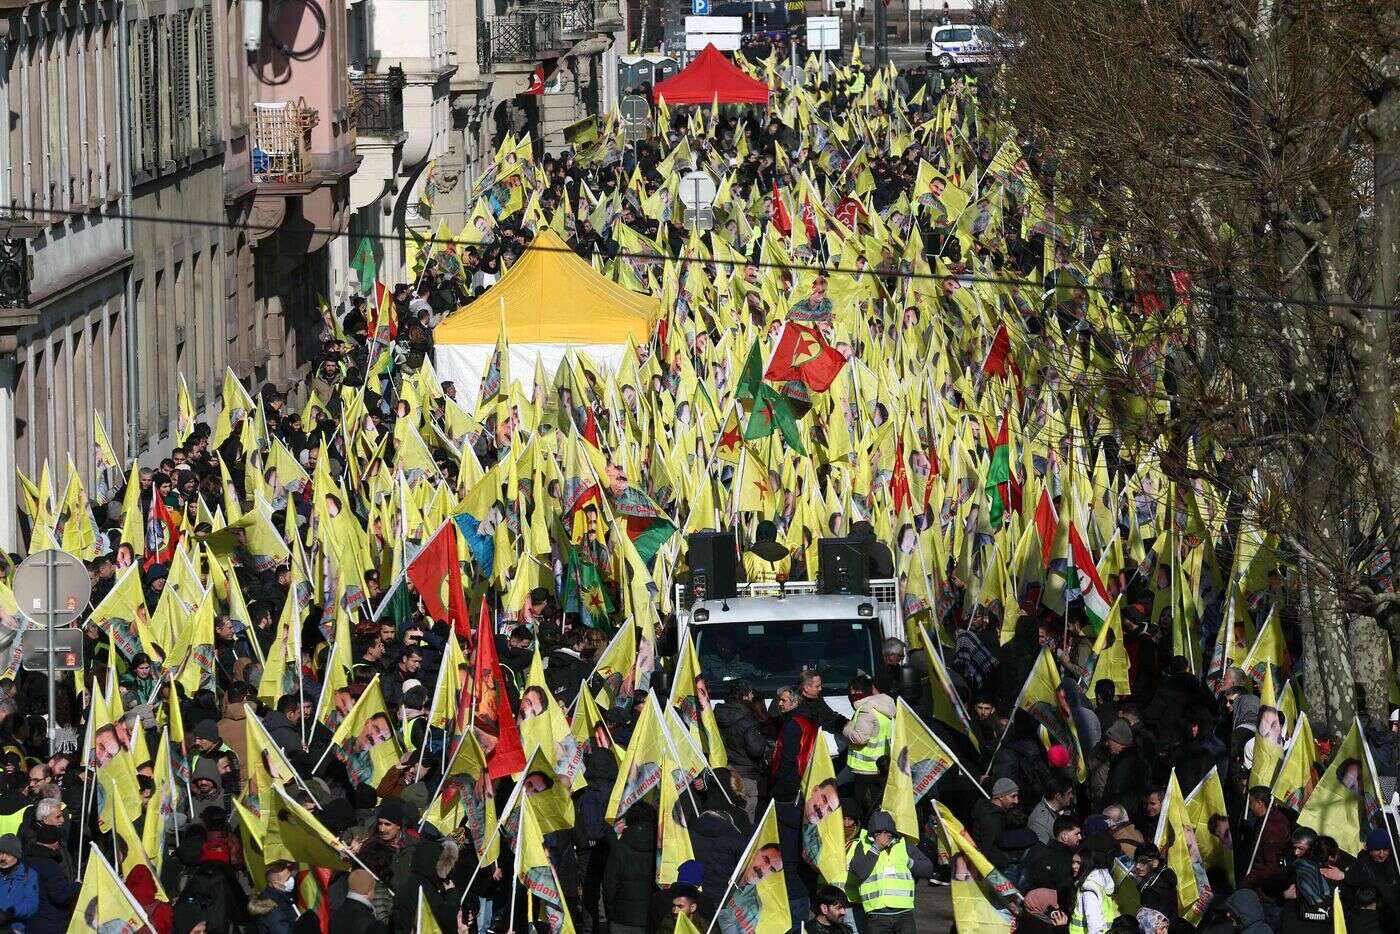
766	561
869	733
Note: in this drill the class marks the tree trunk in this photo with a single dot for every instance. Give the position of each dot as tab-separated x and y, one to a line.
1370	649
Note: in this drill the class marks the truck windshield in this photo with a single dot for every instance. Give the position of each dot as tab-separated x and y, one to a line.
771	654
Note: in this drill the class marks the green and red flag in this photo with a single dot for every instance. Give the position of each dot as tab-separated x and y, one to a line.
1085	579
771	413
1002	488
751	376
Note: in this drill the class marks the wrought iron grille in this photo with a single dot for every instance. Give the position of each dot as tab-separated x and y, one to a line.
577	16
14	274
377	102
505	39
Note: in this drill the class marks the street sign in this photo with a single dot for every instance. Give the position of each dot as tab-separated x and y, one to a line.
697	189
723	32
636	117
65	602
699	218
52	589
67	652
823	34
700	7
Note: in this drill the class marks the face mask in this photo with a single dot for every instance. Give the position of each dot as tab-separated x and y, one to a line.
287	885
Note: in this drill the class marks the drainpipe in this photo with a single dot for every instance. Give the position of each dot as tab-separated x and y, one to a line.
125	110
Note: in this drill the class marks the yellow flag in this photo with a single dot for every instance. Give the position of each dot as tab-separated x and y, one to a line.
543	727
691	699
1110	660
365	740
466	795
305	837
616	669
104	902
981	894
534	870
947	705
1176	836
917	760
1269	652
675	839
1296	775
1346	803
427	922
823	841
546	795
105	456
1044	699
640	771
757	900
1205	804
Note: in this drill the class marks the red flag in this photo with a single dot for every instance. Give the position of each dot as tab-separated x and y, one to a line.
899	483
780	213
492	717
1047	525
803	354
1181	285
590	429
849	212
426	572
536	83
997	354
809	218
162	535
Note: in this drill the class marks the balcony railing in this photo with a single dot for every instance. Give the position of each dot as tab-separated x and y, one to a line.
376	103
282	141
520	36
14	273
577	17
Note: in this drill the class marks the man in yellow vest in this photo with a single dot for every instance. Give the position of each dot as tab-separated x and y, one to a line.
885	867
868	733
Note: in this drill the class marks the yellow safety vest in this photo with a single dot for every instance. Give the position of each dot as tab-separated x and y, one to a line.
890	886
865	760
1108	907
852	884
11	823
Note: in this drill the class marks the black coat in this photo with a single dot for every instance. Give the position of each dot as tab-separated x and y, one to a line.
628	877
565	673
718	845
1128	779
423	877
744	742
987	825
355	917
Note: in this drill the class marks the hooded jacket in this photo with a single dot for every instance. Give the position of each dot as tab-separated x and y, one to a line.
1244	905
234	733
718	846
864	726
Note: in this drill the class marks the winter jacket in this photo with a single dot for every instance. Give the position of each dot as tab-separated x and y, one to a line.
987	825
355	917
565	673
57	891
1271	845
1128	778
283	733
1244	905
630	870
425	876
718	846
234	733
273	911
744	741
864	726
19	895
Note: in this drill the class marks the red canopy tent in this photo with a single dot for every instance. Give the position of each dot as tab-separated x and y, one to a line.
711	75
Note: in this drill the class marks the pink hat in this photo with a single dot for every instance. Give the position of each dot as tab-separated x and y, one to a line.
1059	757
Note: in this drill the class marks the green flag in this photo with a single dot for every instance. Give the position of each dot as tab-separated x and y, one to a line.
583	589
770	414
363	263
751	376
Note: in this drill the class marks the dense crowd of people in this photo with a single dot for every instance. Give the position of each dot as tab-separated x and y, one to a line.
384	652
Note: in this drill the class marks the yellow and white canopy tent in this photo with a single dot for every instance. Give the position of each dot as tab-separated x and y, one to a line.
551	302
